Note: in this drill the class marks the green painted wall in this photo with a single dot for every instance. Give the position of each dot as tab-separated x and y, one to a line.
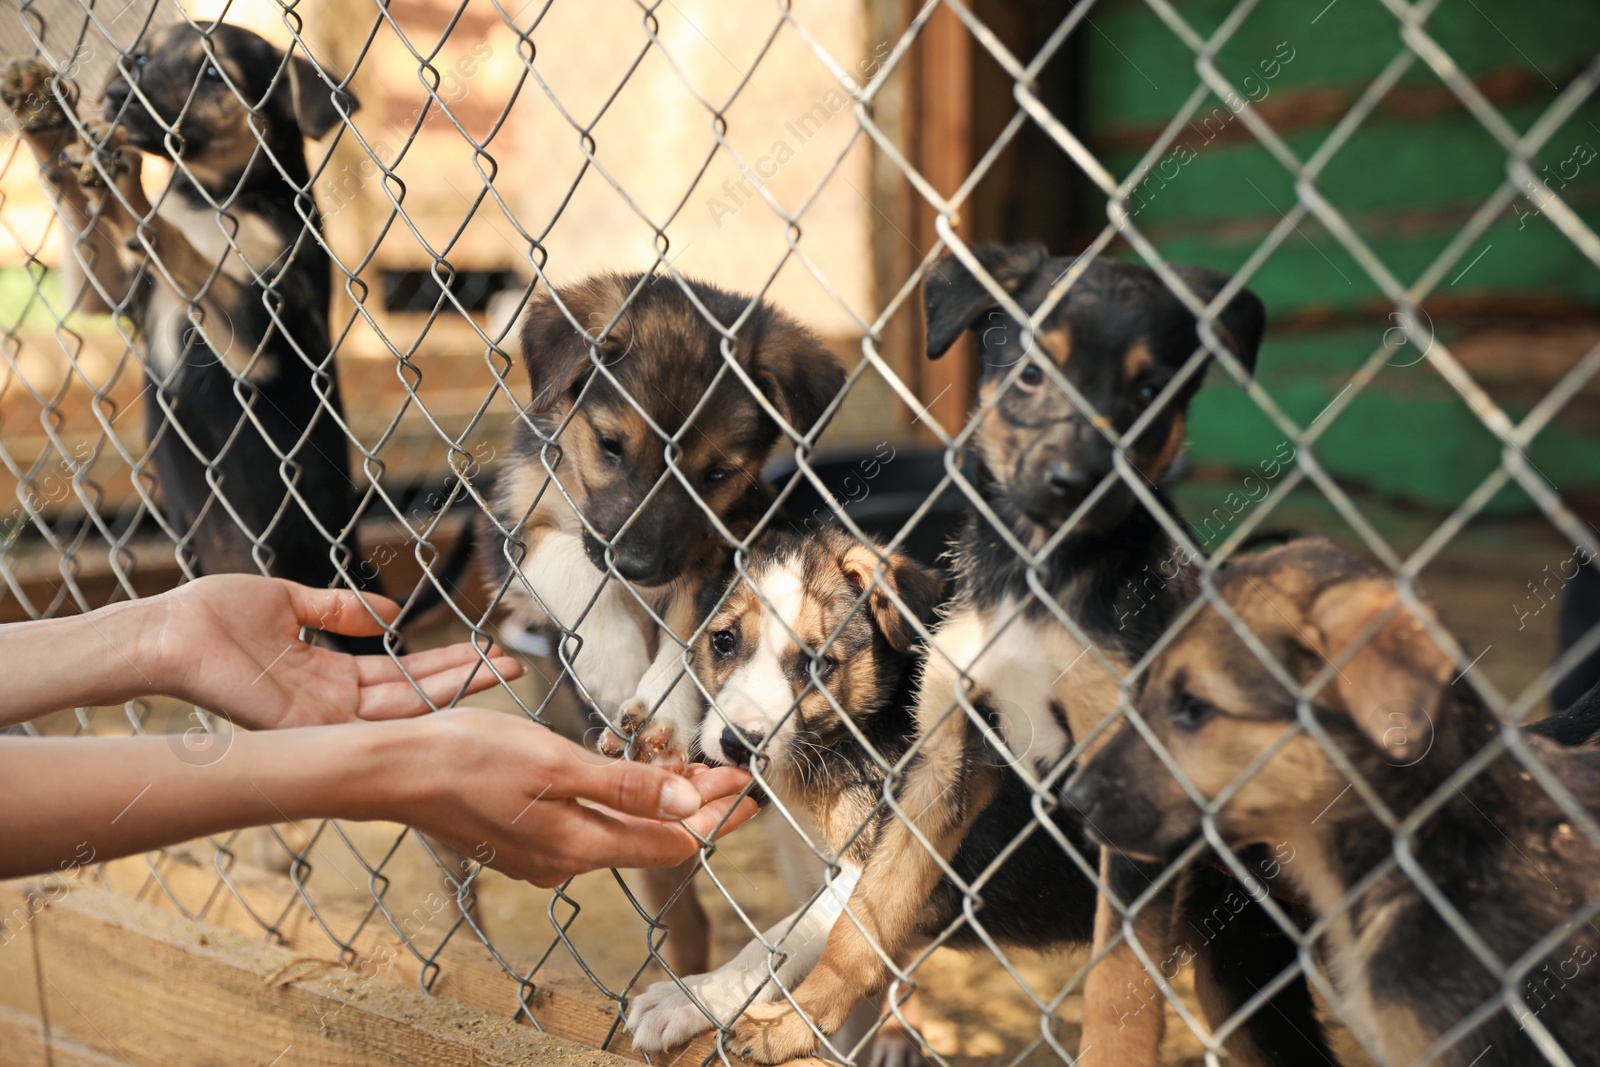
1407	182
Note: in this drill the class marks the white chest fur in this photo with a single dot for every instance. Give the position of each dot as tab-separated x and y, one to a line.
177	321
1032	672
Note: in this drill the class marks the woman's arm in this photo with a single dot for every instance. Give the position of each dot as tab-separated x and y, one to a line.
73	662
231	644
495	786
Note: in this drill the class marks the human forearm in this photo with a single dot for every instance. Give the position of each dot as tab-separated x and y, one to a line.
234	644
497	786
76	661
61	798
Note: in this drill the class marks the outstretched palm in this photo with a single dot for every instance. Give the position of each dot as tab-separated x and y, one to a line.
232	644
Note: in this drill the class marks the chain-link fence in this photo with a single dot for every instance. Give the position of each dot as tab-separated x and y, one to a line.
409	298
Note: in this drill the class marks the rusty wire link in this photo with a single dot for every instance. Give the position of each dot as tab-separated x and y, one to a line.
88	526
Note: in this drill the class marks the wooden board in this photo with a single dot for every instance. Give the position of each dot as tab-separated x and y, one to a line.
28	1044
251	945
944	155
125	979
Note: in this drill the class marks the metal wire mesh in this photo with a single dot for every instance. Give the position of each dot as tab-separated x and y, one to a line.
441	221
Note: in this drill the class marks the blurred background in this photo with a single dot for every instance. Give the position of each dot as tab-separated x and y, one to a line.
499	143
585	137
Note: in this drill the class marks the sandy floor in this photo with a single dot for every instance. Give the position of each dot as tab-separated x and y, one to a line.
977	1011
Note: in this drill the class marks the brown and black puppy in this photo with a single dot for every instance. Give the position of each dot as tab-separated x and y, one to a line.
1512	863
811	661
226	279
1029	660
637	467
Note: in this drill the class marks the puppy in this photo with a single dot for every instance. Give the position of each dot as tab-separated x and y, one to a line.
592	530
1017	685
1507	859
810	662
231	302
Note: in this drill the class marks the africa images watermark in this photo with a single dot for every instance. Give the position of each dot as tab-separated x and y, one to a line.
37	494
1257	486
1210	127
423	515
870	469
1146	993
802	129
1581	557
1539	192
52	889
344	986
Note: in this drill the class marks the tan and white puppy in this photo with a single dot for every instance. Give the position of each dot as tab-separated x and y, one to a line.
638	463
636	467
810	661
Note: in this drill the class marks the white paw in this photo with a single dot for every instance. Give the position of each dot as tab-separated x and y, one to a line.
664	1017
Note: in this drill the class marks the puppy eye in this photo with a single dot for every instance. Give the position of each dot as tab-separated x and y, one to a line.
611	446
1146	393
1192	713
716	474
723	642
1031	375
139	58
213	73
828	664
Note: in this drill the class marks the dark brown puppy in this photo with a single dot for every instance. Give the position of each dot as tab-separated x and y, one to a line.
1511	862
1003	657
592	529
231	302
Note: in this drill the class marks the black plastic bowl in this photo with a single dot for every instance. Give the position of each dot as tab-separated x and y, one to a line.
880	491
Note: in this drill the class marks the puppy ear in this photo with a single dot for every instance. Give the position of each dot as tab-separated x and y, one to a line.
1243	319
796	372
917	587
1392	686
555	353
315	101
954	298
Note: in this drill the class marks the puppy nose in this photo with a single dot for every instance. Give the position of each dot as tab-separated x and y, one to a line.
737	745
1065	478
634	565
1080	798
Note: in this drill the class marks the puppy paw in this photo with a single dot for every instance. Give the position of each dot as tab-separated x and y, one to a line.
614	739
108	160
643	739
25	88
664	1017
772	1033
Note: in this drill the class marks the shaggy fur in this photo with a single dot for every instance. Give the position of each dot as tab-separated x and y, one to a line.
1002	657
1512	862
811	663
589	530
231	301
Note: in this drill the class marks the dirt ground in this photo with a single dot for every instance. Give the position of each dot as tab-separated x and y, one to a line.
977	1010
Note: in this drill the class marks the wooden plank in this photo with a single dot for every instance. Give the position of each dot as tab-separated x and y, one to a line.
28	1044
944	156
19	981
567	1007
129	980
1349	44
387	543
1210	173
894	253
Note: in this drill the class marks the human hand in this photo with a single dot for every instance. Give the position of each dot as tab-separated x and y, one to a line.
506	791
231	643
